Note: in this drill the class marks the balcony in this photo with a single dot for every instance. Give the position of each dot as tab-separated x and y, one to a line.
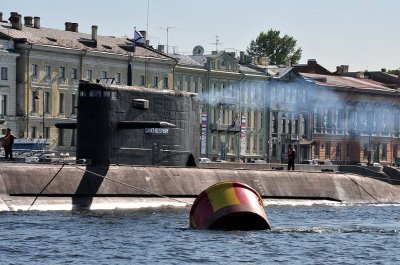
224	101
290	136
224	127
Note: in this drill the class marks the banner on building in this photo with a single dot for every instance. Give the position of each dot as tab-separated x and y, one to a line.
243	135
203	133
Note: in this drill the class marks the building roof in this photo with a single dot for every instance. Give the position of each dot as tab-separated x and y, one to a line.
345	81
201	60
77	40
311	67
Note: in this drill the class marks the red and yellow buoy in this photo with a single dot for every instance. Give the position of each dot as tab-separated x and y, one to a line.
229	205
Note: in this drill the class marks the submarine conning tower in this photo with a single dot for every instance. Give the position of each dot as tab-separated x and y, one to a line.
136	126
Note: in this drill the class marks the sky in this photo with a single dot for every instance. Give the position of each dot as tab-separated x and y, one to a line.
363	34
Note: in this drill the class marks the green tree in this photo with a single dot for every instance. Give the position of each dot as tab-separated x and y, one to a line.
279	50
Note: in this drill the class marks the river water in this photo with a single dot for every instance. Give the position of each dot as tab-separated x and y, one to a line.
303	233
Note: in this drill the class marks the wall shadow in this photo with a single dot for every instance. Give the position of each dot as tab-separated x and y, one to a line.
89	186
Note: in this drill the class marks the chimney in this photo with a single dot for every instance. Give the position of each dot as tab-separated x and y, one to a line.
383	70
94	32
15	20
312	62
160	48
36	22
75	27
1	16
143	33
341	70
28	21
360	75
241	60
68	26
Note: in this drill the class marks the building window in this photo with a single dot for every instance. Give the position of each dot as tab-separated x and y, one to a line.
384	151
338	151
62	72
165	82
274	150
316	150
73	104
61	106
89	75
275	122
60	137
4	73
141	80
103	74
365	149
155	81
33	132
214	142
118	78
47	132
3	105
47	102
327	150
34	101
47	70
34	69
74	73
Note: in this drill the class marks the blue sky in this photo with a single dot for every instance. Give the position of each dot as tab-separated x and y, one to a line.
363	34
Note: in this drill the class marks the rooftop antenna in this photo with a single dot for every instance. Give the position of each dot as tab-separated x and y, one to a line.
167	28
216	43
147	22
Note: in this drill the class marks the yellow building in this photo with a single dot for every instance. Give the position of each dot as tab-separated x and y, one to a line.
51	63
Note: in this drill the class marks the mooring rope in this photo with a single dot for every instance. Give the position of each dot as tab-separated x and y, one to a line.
45	187
372	196
358	184
107	178
132	186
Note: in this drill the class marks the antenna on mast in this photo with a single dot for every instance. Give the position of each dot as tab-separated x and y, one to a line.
167	29
216	43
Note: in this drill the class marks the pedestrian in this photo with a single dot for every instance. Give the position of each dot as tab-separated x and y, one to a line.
291	157
7	143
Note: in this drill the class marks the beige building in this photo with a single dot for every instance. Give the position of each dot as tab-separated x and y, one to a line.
51	63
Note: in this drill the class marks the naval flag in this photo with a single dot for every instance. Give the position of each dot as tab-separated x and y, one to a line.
138	38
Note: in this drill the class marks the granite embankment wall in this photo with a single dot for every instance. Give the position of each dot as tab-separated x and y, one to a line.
30	180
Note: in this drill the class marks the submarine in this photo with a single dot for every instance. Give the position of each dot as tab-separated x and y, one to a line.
139	147
129	125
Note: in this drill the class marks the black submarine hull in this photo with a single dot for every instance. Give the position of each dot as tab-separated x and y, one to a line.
53	186
136	126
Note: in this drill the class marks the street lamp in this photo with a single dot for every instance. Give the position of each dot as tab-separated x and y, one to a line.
36	97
